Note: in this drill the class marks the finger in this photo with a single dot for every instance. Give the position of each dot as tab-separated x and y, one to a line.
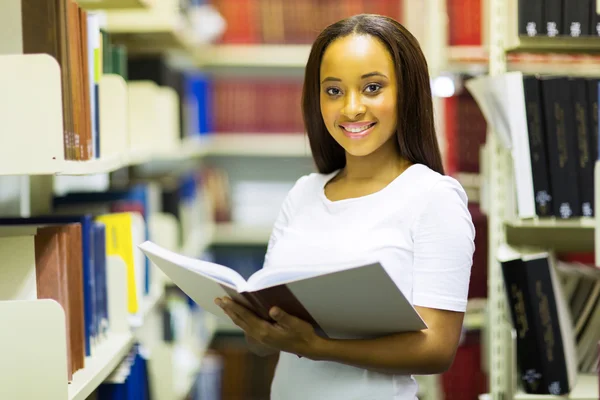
241	311
236	319
284	319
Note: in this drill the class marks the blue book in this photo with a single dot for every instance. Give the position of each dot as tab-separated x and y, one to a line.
101	295
87	240
199	87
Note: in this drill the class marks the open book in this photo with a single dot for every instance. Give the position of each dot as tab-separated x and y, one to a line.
339	301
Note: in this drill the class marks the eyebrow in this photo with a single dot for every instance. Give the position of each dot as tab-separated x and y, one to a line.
368	75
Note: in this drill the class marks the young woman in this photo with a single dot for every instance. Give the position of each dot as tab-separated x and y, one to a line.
380	191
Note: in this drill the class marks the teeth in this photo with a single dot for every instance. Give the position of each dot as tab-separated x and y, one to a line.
358	130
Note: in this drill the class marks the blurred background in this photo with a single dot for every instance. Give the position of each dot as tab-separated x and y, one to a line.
179	121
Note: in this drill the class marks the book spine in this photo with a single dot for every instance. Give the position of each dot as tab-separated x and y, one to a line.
585	160
547	326
531	17
521	310
553	17
537	147
561	147
576	20
592	93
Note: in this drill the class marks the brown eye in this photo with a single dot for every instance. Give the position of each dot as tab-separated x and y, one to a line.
333	91
373	88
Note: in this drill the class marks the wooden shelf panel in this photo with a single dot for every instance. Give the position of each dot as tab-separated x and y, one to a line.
554	223
98	367
113	4
259	145
556	44
294	56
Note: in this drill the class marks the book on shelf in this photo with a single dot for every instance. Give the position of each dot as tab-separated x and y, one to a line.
93	266
292	22
550	127
546	350
336	300
59	277
557	18
129	381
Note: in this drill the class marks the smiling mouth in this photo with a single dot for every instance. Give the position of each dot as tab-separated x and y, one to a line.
359	129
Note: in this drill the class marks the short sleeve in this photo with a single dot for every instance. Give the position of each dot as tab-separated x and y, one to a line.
443	238
285	213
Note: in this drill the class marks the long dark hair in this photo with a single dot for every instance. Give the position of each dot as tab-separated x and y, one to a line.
415	132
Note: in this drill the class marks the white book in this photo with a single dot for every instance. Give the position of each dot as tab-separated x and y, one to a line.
342	301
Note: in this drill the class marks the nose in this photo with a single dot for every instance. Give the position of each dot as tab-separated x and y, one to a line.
353	107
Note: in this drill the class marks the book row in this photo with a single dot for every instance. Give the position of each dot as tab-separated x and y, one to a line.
556	316
280	21
550	126
556	18
73	37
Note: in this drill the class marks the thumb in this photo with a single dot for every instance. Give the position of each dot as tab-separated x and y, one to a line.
281	317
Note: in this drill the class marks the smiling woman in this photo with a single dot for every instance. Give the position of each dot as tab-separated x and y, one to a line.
380	193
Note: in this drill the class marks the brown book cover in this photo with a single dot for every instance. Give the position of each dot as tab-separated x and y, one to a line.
88	148
71	242
75	78
41	23
64	61
51	277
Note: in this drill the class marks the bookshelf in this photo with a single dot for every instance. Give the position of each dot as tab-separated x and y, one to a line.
545	55
98	367
294	56
114	4
155	29
260	145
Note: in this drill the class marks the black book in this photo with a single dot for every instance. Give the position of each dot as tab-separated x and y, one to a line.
531	17
553	18
594	19
585	160
548	324
562	146
537	147
529	359
592	92
576	21
546	351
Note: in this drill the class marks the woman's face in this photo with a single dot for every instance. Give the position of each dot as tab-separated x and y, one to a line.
358	94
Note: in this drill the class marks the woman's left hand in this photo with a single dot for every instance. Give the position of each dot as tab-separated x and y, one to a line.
287	333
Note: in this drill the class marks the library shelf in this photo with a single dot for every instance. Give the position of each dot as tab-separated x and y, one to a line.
94	166
563	44
151	30
554	223
293	56
198	241
259	144
585	389
231	233
113	4
99	366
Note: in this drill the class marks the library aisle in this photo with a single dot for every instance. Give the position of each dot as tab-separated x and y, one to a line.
179	122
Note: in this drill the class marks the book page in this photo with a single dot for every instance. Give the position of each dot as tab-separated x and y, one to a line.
270	277
216	272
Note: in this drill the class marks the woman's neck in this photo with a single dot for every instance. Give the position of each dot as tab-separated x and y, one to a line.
383	164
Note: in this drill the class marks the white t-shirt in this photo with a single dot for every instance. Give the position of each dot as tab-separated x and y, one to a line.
420	229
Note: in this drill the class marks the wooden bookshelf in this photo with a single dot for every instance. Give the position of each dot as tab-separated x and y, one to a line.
554	223
293	56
